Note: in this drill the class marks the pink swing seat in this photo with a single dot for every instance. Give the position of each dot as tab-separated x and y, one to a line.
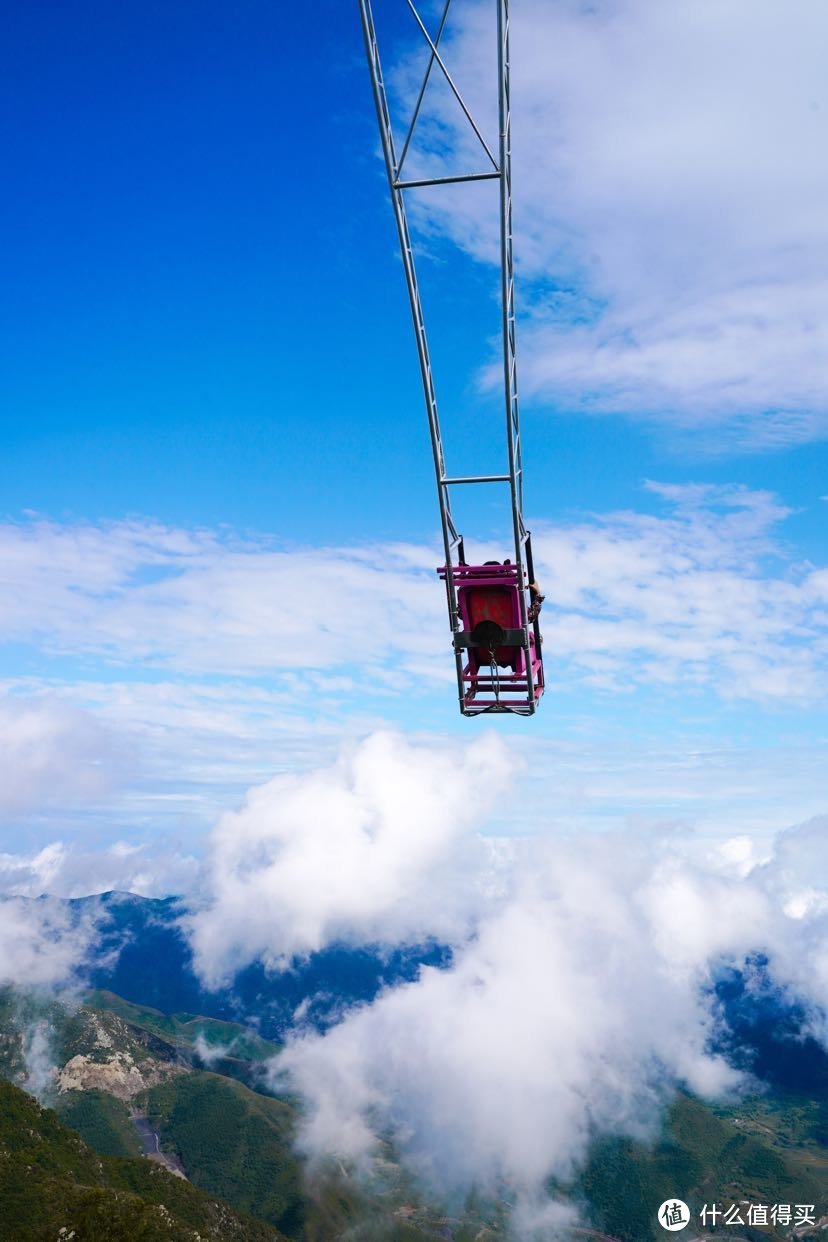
493	633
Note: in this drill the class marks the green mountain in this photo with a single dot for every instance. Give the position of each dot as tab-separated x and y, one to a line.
132	1046
728	1156
52	1185
234	1143
187	1030
101	1120
128	1079
123	1077
238	1144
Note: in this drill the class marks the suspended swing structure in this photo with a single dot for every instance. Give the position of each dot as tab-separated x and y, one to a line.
494	607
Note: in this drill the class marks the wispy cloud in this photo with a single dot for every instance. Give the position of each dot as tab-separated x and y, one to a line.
53	753
67	869
42	944
172	670
701	597
206	601
670	207
703	586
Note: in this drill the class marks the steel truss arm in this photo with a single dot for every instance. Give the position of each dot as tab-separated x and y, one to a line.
500	170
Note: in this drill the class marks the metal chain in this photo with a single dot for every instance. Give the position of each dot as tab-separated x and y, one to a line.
495	675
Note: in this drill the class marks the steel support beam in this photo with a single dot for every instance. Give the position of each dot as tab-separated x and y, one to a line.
502	172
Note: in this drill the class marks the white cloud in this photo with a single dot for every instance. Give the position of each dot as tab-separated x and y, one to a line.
64	869
207	602
42	945
698	597
51	752
581	999
795	880
671	193
210	1053
369	849
692	598
39	1059
701	594
578	995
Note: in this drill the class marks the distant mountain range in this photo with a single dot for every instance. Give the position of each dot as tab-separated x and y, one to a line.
153	965
762	1032
767	1033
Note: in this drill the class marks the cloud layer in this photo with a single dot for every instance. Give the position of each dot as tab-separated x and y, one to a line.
201	601
580	1003
580	993
68	869
670	207
703	584
51	752
170	670
688	598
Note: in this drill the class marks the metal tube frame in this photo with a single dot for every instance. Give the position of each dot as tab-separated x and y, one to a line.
502	172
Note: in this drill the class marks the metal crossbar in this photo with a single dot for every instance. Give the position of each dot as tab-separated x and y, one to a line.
501	170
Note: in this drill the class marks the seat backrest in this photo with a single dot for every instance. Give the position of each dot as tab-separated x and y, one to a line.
491	603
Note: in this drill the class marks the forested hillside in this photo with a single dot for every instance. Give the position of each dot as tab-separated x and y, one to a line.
130	1079
53	1185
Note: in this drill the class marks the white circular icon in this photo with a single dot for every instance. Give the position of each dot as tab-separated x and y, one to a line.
674	1214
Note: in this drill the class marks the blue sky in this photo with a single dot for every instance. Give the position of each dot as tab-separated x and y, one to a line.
220	525
192	202
201	267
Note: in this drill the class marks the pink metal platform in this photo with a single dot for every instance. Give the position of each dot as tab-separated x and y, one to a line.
498	648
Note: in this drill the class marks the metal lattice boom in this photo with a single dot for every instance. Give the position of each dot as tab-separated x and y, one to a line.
495	168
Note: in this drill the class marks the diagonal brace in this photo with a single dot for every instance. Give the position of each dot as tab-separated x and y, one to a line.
423	88
436	56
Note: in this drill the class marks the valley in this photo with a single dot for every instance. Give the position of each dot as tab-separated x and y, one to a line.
188	1097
